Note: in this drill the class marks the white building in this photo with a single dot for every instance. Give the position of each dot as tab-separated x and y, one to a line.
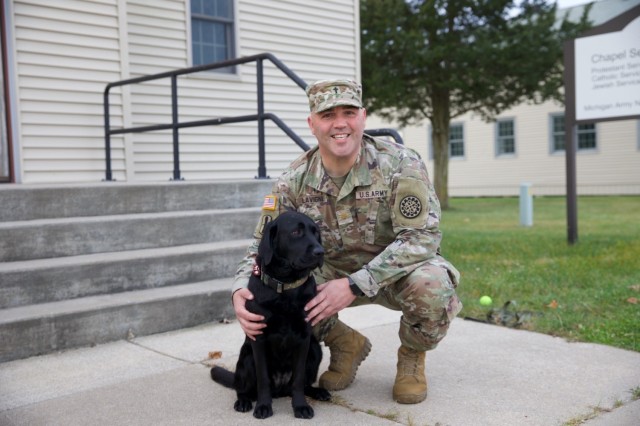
58	56
526	145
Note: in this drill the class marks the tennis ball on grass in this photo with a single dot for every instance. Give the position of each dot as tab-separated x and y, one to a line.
486	301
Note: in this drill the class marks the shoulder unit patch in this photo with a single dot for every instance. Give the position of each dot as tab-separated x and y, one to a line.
411	205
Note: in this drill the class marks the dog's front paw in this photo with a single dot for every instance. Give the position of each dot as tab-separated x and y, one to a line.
263	411
242	405
303	412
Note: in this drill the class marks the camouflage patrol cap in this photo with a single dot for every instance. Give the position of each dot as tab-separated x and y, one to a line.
326	94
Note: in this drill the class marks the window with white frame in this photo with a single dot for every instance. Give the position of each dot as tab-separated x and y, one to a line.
557	133
505	137
586	134
212	32
456	140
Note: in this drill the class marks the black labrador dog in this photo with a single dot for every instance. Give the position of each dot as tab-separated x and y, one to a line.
284	360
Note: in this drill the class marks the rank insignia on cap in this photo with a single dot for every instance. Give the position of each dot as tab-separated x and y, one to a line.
410	206
269	203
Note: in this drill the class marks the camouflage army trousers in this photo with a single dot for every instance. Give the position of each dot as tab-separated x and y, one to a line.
426	297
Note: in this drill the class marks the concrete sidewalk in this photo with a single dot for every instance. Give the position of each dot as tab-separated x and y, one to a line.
479	375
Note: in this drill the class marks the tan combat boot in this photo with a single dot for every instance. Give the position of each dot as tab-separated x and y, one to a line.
411	383
348	349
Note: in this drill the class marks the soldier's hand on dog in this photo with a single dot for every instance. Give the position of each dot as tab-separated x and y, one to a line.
333	296
250	323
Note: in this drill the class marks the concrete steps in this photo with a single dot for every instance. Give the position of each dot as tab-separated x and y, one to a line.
47	238
48	327
50	280
28	202
81	265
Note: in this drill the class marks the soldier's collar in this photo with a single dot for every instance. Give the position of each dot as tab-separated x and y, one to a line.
359	175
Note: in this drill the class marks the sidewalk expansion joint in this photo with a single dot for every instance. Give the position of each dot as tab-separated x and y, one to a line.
598	410
186	361
391	415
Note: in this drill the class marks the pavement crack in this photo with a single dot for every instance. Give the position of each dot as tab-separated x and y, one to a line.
186	361
391	415
597	411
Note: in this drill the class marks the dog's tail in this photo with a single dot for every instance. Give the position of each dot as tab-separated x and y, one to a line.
222	376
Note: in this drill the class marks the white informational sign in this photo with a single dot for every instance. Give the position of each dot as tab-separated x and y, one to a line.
607	74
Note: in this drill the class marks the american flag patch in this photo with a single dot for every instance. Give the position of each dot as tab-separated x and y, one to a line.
269	203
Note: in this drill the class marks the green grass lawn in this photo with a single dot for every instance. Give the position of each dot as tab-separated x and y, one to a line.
584	292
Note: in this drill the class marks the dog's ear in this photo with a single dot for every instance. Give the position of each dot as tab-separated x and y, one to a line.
265	249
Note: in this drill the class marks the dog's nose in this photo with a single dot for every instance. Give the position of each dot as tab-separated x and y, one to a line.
318	251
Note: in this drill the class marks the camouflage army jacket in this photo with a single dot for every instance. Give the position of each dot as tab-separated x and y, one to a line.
379	227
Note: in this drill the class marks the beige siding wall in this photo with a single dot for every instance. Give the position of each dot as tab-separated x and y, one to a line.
612	168
68	51
65	52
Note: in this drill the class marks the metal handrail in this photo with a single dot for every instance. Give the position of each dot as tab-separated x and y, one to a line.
260	117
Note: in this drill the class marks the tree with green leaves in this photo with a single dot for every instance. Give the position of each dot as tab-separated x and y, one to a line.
440	59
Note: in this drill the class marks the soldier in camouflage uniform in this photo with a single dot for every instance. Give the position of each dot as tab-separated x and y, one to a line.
378	214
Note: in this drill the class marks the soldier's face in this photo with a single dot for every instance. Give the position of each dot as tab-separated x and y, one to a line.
338	131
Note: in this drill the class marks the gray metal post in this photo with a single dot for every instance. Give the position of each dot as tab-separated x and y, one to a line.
526	205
